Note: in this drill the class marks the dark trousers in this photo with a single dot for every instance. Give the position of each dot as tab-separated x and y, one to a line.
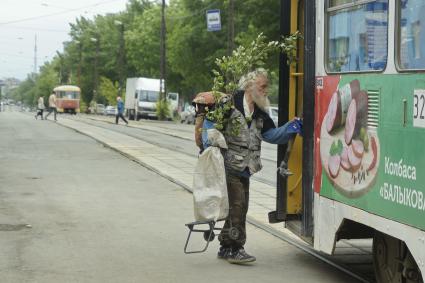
51	109
238	192
119	115
39	113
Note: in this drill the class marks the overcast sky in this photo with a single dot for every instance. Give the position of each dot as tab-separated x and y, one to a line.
22	20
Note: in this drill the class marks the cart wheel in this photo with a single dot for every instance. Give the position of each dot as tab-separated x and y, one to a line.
207	235
233	233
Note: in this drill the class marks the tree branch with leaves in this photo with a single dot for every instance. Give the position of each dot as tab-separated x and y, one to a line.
242	61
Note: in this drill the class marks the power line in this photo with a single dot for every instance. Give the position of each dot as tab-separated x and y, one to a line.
32	28
57	13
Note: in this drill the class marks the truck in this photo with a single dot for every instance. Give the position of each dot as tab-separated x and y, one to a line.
141	97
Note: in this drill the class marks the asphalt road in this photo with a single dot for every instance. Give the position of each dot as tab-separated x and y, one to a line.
74	211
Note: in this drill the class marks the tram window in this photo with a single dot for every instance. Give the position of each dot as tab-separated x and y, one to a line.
412	34
357	36
68	94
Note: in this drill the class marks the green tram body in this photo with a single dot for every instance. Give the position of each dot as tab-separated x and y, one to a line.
364	128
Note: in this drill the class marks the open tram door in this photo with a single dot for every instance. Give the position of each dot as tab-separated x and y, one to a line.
294	197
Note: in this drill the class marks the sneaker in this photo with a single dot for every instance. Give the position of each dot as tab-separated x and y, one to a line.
240	257
224	252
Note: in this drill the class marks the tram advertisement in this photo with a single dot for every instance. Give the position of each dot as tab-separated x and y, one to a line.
364	156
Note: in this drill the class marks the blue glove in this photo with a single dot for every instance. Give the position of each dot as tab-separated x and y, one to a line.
295	127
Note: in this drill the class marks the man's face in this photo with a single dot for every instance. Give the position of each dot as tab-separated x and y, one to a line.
261	84
259	92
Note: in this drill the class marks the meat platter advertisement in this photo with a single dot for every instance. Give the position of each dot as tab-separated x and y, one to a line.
366	155
348	149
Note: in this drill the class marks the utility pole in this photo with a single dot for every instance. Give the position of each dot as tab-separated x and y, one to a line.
162	50
79	61
121	57
96	73
60	67
231	27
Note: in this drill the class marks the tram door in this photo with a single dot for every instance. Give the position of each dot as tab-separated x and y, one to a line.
289	200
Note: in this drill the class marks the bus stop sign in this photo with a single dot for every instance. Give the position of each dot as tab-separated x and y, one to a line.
213	20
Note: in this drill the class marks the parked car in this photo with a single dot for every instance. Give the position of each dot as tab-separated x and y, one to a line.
188	115
110	110
274	113
98	110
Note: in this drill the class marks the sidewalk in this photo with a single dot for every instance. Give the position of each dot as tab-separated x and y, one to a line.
178	168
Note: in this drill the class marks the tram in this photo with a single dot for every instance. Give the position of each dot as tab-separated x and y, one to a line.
359	85
67	98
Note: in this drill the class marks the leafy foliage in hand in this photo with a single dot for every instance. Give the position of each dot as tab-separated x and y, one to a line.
242	61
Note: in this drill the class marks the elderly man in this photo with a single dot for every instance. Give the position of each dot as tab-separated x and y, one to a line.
242	158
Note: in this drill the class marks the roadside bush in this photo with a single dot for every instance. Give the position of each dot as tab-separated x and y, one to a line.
162	109
83	106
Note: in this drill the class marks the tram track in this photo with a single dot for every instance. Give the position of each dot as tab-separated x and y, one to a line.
93	122
298	243
164	132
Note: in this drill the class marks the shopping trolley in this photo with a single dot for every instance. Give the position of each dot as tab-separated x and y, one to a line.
209	234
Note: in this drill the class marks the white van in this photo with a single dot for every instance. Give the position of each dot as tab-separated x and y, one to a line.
141	97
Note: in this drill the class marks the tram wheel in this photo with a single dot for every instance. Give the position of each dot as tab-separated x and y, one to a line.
393	261
207	235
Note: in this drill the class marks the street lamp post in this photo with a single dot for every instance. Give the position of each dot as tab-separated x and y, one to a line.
60	67
79	61
95	40
121	62
162	50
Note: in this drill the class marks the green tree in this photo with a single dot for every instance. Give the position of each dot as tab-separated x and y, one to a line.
143	44
191	49
109	91
25	91
46	81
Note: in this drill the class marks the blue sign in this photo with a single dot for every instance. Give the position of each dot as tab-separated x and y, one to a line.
213	20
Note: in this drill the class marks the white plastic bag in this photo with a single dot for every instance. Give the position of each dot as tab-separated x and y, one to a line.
209	181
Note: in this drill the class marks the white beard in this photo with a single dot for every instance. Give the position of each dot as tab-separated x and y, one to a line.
261	101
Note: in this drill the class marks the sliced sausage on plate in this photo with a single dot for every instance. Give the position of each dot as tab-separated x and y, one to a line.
345	164
333	165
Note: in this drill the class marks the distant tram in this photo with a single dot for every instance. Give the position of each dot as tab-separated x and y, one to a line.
359	168
67	98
